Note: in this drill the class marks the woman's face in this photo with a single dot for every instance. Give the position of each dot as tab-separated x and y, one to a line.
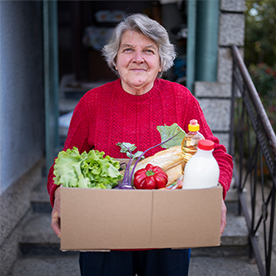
137	62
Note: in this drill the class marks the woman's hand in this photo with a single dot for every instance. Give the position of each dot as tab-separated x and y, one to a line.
223	217
55	223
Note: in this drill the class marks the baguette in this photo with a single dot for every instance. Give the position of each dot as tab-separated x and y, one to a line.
174	173
165	159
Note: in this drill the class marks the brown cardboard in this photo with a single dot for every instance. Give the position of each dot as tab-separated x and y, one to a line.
95	219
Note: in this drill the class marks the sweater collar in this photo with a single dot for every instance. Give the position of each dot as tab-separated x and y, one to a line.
136	98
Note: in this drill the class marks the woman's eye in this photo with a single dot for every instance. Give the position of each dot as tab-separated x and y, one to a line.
149	51
127	50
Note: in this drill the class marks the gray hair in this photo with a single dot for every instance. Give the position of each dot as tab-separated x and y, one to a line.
150	28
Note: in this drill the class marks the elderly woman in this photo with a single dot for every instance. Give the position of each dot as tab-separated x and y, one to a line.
129	109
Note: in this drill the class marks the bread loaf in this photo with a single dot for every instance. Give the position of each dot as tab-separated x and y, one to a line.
165	159
174	173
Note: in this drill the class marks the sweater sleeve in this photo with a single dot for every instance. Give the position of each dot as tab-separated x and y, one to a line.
77	137
224	159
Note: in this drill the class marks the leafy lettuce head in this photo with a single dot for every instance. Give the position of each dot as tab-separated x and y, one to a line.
86	170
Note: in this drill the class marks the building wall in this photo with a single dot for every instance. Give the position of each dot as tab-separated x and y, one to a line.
215	97
22	142
21	86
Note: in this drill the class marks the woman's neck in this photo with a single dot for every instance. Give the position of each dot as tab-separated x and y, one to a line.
137	90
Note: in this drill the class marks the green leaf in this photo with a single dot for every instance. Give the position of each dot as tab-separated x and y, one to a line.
86	170
137	154
167	132
67	168
126	147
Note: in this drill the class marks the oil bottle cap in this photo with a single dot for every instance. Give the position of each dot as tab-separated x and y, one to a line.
205	144
193	126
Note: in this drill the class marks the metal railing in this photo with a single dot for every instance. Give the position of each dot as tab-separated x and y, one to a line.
253	147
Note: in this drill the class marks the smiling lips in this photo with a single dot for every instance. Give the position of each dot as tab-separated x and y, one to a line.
138	69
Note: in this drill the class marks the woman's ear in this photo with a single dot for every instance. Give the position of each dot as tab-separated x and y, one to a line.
115	67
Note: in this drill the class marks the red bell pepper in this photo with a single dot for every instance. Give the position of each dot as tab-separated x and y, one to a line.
151	177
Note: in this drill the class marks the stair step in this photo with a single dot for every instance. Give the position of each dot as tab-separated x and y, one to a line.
40	253
46	266
38	229
69	266
235	232
39	238
40	199
226	266
234	240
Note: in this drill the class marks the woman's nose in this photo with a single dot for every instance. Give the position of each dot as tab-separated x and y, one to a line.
138	57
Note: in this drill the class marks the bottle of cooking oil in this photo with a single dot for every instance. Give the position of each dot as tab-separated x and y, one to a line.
190	141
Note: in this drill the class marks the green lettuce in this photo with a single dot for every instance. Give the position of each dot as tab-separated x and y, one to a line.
86	170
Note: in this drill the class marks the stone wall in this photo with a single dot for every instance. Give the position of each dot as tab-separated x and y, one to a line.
215	97
15	206
22	135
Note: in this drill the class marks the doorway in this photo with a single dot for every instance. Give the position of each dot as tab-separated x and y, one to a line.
84	27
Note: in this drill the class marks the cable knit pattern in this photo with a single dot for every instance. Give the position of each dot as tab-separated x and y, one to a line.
107	115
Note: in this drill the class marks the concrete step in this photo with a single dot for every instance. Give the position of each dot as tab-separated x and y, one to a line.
40	254
40	200
46	266
38	238
234	240
222	266
69	266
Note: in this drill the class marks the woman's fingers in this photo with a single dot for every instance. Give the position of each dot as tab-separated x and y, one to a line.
55	223
223	217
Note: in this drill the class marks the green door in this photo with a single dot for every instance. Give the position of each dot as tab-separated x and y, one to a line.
202	41
191	44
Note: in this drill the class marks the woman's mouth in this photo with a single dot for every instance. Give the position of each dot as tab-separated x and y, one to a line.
138	69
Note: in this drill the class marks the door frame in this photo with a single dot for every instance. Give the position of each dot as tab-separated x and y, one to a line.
51	80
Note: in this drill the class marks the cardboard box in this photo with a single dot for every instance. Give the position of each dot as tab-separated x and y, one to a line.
96	219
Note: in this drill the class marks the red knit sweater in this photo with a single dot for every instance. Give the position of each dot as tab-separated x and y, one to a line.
107	115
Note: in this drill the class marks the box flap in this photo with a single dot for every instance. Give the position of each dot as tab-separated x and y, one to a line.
90	226
201	210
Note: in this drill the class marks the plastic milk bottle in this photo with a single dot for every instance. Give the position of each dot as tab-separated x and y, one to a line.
202	170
